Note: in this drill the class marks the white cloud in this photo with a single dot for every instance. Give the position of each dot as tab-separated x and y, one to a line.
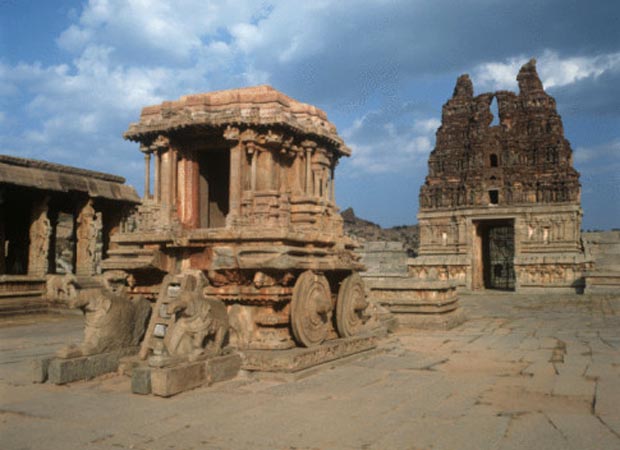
554	71
247	36
125	54
602	152
427	126
389	141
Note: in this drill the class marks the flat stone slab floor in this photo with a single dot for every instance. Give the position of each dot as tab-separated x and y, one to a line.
523	372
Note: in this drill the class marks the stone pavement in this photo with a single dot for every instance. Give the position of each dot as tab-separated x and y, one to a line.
523	372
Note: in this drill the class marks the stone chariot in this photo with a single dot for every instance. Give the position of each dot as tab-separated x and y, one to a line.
243	192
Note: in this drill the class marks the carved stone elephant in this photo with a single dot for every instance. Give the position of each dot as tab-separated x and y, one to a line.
112	320
201	325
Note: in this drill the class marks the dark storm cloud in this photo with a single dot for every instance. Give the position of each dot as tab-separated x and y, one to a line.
594	95
383	44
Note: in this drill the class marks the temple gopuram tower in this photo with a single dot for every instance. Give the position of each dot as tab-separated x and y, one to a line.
500	206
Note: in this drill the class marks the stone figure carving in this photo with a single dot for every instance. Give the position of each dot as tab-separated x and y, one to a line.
112	320
201	325
89	239
40	232
61	288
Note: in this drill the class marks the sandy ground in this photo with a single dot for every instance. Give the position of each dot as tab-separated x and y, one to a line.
524	372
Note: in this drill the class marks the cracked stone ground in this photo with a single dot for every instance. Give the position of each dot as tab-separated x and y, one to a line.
524	372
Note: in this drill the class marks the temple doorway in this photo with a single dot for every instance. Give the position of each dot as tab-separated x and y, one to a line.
494	255
214	187
15	210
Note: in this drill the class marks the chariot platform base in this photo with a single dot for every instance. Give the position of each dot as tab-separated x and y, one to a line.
299	359
169	381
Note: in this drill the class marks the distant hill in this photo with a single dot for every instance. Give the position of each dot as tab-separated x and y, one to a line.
364	230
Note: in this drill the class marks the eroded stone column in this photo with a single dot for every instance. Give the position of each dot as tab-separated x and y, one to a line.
332	184
147	176
189	179
236	154
266	175
157	176
165	177
308	171
296	174
254	155
40	232
174	173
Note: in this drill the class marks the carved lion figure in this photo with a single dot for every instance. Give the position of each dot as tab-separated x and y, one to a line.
201	325
112	320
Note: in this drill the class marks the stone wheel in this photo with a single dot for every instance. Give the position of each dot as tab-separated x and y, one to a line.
351	305
311	308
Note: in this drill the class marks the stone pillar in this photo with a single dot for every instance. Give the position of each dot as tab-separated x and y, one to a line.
40	232
157	176
147	176
88	232
174	174
308	171
189	179
296	174
165	177
266	176
332	184
236	153
254	155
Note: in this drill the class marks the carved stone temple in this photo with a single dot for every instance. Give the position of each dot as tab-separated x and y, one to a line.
500	207
55	220
239	209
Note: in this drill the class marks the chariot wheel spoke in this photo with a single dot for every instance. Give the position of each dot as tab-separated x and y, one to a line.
311	308
351	306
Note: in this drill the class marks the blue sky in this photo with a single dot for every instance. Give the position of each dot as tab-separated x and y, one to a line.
73	74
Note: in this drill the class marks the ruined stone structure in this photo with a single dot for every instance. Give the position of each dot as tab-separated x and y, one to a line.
243	191
602	250
54	220
500	207
412	302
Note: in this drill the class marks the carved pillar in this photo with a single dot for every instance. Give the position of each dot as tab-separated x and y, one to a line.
157	176
296	174
147	175
236	154
174	174
254	155
309	180
88	232
40	232
332	183
189	179
266	175
165	178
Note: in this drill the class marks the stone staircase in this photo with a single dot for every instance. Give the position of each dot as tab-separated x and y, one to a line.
602	248
22	294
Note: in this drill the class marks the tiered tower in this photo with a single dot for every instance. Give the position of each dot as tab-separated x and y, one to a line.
500	207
